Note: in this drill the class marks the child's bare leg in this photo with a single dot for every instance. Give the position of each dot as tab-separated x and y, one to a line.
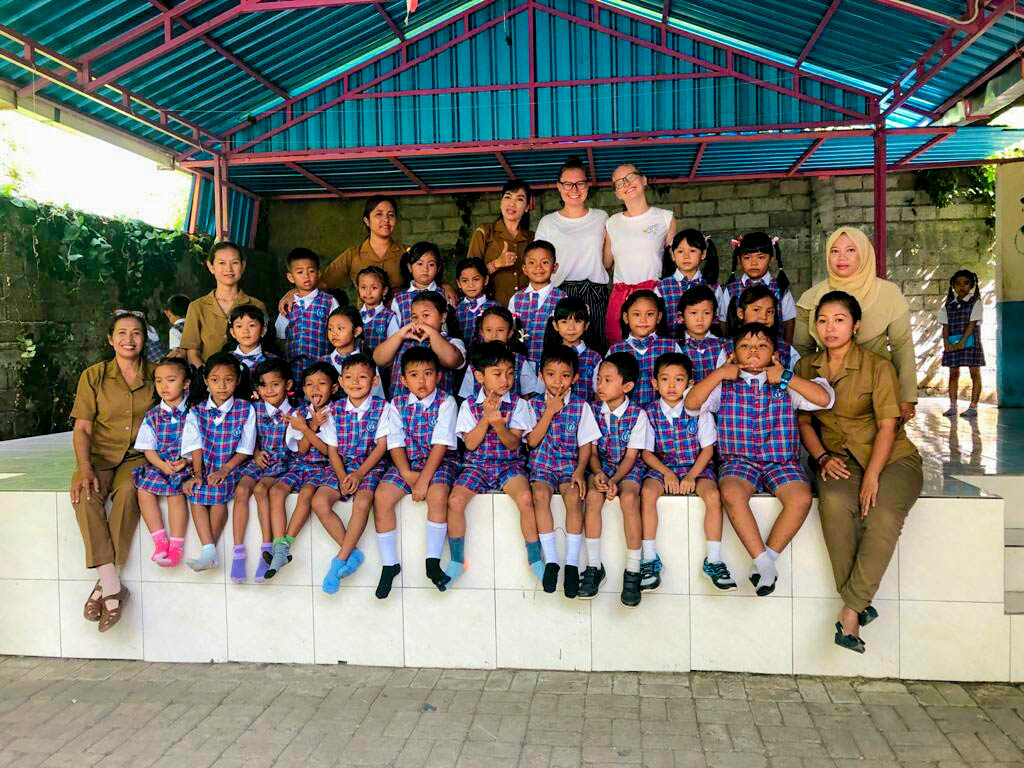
796	503
177	522
323	507
208	556
544	520
540	495
282	544
650	492
385	520
707	490
361	504
240	508
736	493
975	385
518	489
149	506
278	516
303	507
954	387
593	522
629	501
573	537
218	519
261	492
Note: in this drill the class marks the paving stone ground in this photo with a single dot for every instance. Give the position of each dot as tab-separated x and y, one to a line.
127	714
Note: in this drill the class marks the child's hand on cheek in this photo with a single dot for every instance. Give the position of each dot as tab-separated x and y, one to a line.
774	371
730	369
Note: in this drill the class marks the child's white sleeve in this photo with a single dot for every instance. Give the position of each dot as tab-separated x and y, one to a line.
711	405
281	327
641	436
794	358
803	404
707	432
328	431
587	430
722	357
444	429
529	384
247	442
386	422
334	305
942	317
191	440
976	312
523	417
393	326
398	312
396	437
146	440
466	421
788	308
723	305
459	345
466	387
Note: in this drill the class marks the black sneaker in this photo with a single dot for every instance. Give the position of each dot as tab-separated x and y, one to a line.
592	581
718	574
650	573
571	581
755	579
550	580
631	588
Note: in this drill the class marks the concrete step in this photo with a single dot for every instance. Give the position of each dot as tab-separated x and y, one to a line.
1014	602
1014	572
1014	537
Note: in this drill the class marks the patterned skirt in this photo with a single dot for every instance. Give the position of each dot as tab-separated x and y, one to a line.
207	494
257	473
969	357
149	478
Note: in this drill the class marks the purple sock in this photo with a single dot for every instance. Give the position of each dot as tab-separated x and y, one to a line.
238	564
262	564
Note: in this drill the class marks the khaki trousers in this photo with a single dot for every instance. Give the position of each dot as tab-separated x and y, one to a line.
109	540
860	548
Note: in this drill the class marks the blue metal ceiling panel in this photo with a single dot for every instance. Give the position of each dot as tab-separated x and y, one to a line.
750	157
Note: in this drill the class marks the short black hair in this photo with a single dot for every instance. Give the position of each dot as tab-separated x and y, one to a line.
432	297
420	355
560	353
848	301
320	366
673	358
377	272
757	329
358	358
302	254
178	304
626	365
489	353
541	245
696	294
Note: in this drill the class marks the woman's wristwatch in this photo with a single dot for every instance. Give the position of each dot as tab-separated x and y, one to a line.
818	459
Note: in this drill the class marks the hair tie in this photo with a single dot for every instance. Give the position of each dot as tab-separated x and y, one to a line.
735	242
775	240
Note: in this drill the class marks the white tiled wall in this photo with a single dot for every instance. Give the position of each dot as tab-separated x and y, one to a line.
940	603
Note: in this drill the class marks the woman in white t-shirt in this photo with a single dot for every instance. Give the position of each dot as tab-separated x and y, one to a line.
578	234
635	244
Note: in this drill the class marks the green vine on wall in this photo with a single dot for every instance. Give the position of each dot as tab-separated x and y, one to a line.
973	184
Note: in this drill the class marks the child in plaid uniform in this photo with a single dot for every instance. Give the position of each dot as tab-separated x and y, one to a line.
272	459
159	439
697	312
497	324
568	325
561	444
346	335
422	445
247	326
616	468
363	422
757	304
420	266
752	255
492	426
534	305
679	452
312	439
428	316
304	328
696	263
757	400
472	279
219	434
379	321
960	318
645	334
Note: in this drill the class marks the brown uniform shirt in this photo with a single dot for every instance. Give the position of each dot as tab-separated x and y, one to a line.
867	391
342	272
487	242
206	325
115	410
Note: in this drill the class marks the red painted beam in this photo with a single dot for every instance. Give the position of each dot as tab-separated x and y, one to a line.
298	5
881	212
911	8
803	157
315	179
531	57
923	148
825	19
696	161
505	165
410	175
142	29
591	165
390	22
978	82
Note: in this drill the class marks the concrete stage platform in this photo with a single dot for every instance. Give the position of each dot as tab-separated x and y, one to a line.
941	603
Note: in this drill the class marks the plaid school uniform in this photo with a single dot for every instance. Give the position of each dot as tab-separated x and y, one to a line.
646	351
517	385
589	360
468	312
672	288
270	438
554	460
491	465
402	305
356	439
704	353
310	468
418	422
167	426
736	287
958	315
444	380
219	443
758	438
307	332
676	442
251	360
533	314
615	433
375	325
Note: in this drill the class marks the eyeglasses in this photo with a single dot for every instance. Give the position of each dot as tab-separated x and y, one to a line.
132	312
574	186
626	180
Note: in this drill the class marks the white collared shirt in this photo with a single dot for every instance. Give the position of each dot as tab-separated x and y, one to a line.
254	352
587	430
529	381
522	417
386	422
192	439
328	432
638	435
146	439
542	295
285	407
707	432
281	324
787	307
645	343
444	428
801	403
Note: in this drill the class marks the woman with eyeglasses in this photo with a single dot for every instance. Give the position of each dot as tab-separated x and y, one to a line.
577	232
635	244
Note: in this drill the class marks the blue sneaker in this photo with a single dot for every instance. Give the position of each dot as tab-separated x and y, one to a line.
355	559
650	573
718	574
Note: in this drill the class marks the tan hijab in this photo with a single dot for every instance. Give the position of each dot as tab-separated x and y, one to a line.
881	302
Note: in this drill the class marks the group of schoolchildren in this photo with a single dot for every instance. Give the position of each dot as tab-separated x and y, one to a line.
484	398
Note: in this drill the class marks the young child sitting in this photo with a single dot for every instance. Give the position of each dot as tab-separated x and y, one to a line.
534	305
304	328
492	426
497	324
695	259
568	325
422	445
679	452
697	313
616	468
247	327
560	449
379	321
757	400
345	333
644	330
757	304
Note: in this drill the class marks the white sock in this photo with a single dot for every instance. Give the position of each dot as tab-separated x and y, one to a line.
633	560
386	542
714	551
572	548
647	547
547	543
772	553
594	553
766	568
436	533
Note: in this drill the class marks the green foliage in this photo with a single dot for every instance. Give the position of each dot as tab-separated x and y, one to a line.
974	184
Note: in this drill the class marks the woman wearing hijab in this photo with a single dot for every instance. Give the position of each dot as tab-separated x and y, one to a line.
885	323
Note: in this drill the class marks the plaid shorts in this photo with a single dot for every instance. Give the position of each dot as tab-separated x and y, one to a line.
257	473
708	473
445	475
549	477
764	477
307	474
492	477
368	483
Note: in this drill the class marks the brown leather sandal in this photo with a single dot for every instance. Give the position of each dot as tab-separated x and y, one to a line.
94	606
111	616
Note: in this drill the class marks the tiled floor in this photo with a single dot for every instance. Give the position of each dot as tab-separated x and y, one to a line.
111	713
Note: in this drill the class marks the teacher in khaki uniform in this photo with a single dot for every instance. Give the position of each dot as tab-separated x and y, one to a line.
110	404
869	472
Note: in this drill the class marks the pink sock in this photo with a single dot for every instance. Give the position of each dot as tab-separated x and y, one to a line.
160	545
174	551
